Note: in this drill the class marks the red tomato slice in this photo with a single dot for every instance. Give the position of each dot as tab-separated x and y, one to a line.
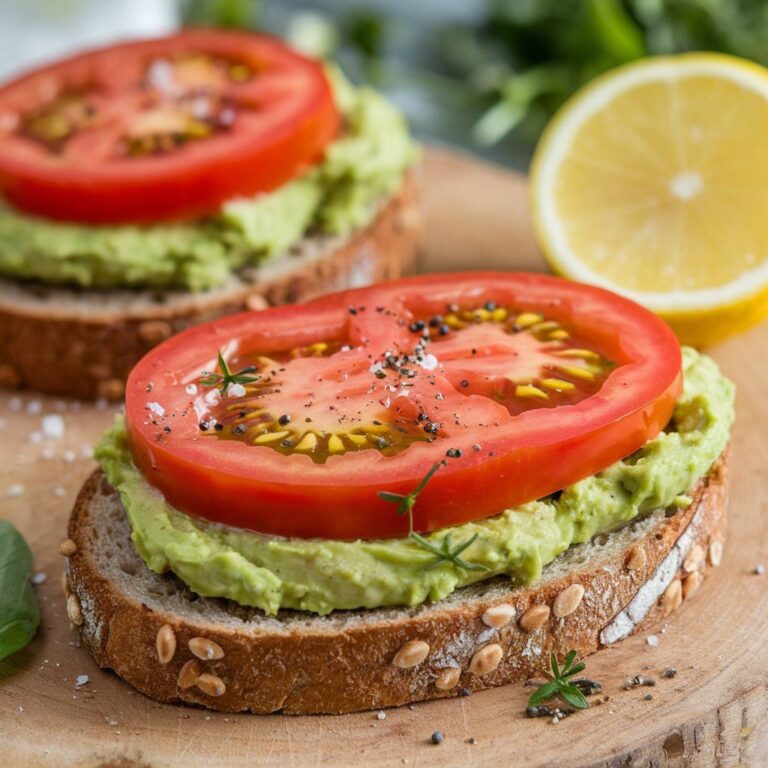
162	129
521	383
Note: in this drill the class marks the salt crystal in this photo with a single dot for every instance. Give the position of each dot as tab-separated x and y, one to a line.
53	426
156	408
34	407
429	363
82	680
15	491
39	578
652	640
235	390
191	389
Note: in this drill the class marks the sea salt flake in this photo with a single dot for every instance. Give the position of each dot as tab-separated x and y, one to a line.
53	426
235	390
191	389
82	680
652	640
156	408
429	363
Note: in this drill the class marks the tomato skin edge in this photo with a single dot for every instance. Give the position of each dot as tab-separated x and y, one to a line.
352	508
137	191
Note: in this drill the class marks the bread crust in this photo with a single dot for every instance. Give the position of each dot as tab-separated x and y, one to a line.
83	344
361	660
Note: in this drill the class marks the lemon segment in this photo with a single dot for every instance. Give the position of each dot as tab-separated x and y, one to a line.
653	182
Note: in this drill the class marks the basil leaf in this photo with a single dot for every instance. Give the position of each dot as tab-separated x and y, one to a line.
19	612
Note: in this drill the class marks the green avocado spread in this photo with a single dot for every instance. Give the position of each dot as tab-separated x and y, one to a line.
338	195
320	576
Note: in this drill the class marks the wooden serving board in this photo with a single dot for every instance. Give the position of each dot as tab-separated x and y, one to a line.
714	712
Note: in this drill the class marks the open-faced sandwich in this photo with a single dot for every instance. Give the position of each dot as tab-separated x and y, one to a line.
398	493
151	185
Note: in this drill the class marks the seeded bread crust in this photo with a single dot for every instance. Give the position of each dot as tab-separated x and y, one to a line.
81	343
482	636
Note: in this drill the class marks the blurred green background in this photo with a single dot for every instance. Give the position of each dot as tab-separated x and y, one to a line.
488	74
482	74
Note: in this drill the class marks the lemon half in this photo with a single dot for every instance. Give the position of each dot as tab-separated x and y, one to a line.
653	182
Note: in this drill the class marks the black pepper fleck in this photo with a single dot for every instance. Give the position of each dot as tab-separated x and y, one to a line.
437	737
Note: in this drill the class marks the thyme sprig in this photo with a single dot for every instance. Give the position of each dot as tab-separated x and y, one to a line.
560	685
226	377
444	551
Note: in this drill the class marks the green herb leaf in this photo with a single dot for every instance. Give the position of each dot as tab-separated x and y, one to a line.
580	667
573	696
443	551
543	693
226	377
559	686
19	612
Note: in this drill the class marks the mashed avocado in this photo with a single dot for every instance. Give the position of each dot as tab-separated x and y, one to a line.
320	576
363	166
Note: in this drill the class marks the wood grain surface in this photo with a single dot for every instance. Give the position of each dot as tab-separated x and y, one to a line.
713	713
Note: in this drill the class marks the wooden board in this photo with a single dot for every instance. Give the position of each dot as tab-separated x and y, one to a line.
713	713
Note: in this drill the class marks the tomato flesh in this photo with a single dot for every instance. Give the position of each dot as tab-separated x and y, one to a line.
522	384
162	129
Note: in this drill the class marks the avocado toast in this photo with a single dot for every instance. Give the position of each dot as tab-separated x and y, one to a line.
218	190
512	479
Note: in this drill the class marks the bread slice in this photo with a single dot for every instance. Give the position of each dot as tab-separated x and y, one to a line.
177	647
83	343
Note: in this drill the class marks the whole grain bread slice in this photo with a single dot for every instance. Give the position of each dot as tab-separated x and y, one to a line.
175	646
83	343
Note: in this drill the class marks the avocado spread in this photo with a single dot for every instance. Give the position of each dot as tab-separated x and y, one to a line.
338	195
320	576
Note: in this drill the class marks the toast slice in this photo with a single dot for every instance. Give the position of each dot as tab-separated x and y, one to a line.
83	343
175	646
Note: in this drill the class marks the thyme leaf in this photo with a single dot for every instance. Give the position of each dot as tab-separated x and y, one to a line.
444	551
226	377
560	685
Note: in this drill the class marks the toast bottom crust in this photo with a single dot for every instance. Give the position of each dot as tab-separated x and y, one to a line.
81	343
174	646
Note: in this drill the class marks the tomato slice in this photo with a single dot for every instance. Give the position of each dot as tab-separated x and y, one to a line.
162	129
521	383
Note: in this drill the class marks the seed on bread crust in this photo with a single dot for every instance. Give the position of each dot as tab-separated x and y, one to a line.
154	331
486	660
693	559
165	643
74	612
210	684
67	547
189	674
672	597
111	389
411	654
691	584
715	553
498	616
568	601
256	302
206	649
448	679
636	559
534	618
